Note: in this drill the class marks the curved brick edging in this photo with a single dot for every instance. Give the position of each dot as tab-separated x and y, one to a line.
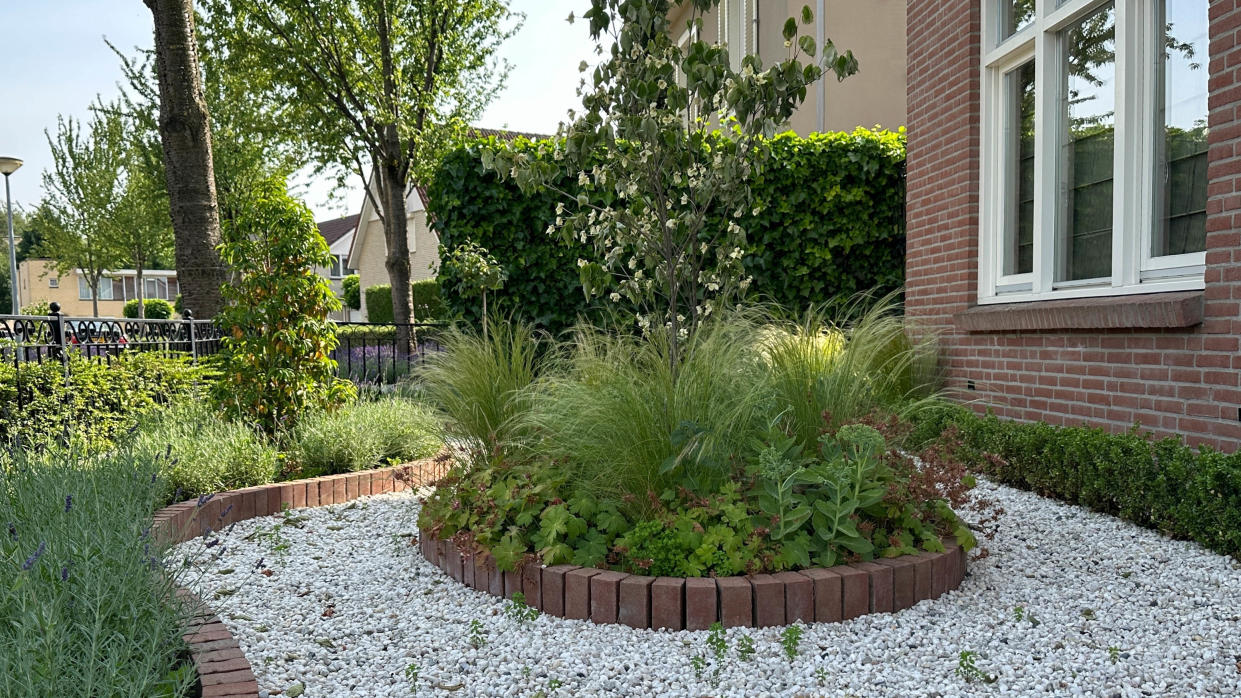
223	669
678	603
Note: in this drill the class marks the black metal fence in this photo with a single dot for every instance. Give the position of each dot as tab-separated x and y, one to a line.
368	353
57	337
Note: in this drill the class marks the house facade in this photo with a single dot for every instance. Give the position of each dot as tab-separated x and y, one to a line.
338	234
38	280
1074	214
874	30
368	250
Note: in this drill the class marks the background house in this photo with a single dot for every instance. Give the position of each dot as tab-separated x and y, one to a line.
1074	227
38	280
338	233
873	30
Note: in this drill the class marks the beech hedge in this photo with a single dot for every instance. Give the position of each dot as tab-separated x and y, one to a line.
828	223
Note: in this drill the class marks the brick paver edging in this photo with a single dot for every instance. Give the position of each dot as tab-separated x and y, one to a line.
222	668
695	603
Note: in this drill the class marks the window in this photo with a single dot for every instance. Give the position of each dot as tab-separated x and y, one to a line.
155	288
337	269
105	289
1094	148
53	282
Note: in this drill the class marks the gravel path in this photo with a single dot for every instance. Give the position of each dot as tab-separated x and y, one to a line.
1106	609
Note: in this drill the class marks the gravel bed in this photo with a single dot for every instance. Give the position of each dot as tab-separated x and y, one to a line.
1106	609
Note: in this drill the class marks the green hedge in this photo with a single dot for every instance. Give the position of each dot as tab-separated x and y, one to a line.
100	400
1163	484
156	308
830	223
428	305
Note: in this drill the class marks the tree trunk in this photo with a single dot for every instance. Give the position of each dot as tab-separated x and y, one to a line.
142	305
396	235
185	131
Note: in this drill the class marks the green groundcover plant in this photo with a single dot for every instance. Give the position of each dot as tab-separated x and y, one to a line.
100	399
774	446
86	605
364	435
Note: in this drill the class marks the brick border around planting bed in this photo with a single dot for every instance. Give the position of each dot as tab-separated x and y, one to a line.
678	603
222	668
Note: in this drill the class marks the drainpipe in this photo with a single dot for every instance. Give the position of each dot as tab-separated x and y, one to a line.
754	29
820	21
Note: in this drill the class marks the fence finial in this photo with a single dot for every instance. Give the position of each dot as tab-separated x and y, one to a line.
187	314
53	308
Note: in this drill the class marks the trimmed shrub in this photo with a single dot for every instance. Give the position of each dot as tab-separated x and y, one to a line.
207	452
277	336
428	304
156	308
1163	484
364	435
83	613
99	401
828	223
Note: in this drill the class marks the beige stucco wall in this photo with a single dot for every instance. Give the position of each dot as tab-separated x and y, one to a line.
373	250
873	29
33	278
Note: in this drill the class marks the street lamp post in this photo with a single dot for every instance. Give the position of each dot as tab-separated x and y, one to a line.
8	166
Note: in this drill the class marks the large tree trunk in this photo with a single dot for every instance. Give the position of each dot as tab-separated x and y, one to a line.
185	130
396	235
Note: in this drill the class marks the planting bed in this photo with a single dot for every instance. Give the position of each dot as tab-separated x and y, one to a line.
1069	602
839	593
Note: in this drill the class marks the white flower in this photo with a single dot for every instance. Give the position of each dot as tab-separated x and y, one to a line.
615	297
582	179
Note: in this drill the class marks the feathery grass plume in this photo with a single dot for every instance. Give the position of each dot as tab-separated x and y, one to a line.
480	381
844	362
623	422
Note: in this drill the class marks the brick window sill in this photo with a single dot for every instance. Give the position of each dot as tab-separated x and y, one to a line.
1154	310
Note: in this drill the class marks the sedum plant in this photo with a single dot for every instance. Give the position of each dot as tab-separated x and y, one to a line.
277	336
669	133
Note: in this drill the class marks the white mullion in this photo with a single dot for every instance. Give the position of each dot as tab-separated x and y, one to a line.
1129	151
1046	131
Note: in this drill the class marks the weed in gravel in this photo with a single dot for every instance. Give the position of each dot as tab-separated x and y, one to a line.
411	675
745	647
790	639
1089	614
717	643
699	663
967	668
1113	653
1020	613
820	675
475	635
553	684
518	610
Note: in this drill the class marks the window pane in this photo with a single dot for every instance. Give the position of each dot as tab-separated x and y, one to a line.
1181	150
83	289
1015	15
1087	147
1019	158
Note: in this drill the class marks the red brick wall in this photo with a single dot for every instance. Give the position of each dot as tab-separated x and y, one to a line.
1182	381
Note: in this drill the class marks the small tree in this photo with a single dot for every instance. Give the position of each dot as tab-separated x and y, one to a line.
668	134
351	292
82	196
277	336
476	272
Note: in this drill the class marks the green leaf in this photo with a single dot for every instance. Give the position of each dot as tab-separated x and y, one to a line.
790	29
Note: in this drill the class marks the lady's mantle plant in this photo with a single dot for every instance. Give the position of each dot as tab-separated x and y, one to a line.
649	144
278	338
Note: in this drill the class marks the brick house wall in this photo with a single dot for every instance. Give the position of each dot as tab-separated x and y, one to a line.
1167	361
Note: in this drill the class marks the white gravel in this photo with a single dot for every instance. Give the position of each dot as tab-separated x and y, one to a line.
1117	611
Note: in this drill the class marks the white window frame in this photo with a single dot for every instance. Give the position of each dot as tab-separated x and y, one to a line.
733	24
1134	269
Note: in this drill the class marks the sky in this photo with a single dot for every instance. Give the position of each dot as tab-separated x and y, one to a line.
55	62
